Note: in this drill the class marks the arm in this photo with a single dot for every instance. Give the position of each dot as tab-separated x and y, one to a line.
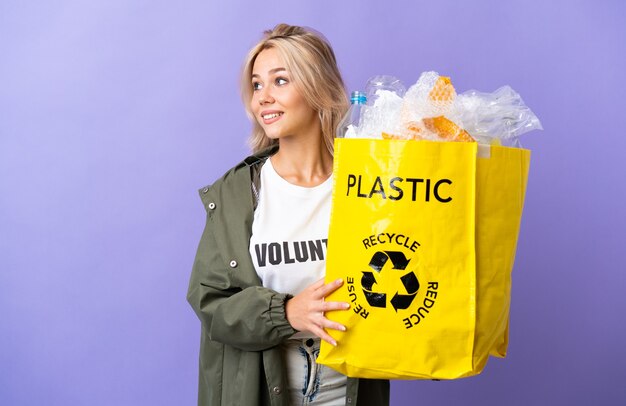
250	318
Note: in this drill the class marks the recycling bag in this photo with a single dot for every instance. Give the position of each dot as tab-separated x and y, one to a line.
407	239
501	177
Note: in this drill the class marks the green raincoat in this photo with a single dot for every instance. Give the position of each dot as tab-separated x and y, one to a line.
242	322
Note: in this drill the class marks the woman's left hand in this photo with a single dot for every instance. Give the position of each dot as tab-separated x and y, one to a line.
305	311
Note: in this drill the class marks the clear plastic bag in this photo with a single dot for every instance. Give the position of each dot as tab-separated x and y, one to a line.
501	114
432	110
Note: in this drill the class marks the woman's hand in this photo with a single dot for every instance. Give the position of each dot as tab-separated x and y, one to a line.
305	311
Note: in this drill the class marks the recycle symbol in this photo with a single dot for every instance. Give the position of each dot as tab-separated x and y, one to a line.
409	280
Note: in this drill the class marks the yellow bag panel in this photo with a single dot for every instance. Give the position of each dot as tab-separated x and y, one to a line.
396	224
461	252
500	190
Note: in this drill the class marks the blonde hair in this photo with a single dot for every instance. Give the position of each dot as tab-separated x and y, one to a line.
311	62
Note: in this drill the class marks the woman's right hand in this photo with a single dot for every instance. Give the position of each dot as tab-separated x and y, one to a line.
305	311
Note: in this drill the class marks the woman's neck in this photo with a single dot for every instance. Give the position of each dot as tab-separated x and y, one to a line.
303	162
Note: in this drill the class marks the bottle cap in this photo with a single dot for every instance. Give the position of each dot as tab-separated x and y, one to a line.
358	97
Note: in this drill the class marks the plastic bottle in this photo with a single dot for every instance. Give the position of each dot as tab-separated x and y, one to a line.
383	82
350	121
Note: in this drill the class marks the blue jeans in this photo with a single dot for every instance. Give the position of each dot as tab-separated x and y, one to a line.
309	382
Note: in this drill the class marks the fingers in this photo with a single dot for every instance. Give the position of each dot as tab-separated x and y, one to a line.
329	306
305	311
325	290
319	329
318	284
334	325
324	336
321	290
320	306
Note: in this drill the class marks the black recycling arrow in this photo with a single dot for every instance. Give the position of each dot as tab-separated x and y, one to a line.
368	280
376	299
373	298
398	259
378	261
412	285
400	262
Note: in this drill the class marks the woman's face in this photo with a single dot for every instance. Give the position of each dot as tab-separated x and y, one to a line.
276	103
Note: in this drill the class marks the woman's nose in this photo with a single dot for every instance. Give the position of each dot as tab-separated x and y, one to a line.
265	96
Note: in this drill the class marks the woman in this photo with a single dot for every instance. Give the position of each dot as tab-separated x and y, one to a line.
256	282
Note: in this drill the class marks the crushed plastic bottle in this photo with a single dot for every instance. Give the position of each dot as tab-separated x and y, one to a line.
383	82
382	116
350	121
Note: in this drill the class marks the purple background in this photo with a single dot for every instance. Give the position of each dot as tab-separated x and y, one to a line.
113	113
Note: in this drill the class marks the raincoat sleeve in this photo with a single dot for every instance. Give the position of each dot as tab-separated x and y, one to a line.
232	307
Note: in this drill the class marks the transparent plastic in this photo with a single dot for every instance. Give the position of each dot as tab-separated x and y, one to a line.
501	114
383	82
432	110
352	118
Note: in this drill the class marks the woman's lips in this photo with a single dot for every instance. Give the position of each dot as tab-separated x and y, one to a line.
270	117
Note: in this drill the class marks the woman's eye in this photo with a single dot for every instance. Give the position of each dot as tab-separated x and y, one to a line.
281	81
256	86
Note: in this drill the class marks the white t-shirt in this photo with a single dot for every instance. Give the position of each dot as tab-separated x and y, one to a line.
290	232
